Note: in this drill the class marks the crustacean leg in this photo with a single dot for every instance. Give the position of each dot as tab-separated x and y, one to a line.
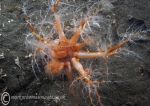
89	84
59	28
55	6
54	67
57	22
78	32
104	54
78	66
32	29
34	32
69	71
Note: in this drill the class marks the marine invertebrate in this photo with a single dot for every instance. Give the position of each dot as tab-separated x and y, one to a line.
66	53
62	55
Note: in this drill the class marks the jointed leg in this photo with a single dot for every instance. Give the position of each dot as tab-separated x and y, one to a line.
55	6
77	34
89	54
59	27
69	72
78	66
111	51
57	23
32	29
35	32
90	85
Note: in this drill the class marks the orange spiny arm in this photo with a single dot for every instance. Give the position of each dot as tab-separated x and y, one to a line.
110	52
78	66
55	6
59	28
69	72
57	22
32	29
77	34
89	54
34	32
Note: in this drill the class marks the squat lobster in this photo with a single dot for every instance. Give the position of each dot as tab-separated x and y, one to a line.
65	53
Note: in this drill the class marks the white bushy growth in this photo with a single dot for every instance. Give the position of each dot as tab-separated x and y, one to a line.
99	27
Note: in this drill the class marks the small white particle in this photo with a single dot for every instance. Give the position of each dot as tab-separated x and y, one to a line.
17	62
28	56
2	56
11	20
56	99
3	25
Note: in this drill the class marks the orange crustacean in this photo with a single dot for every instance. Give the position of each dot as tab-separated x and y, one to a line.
66	53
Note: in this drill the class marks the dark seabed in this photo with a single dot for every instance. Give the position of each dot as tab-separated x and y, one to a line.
128	82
